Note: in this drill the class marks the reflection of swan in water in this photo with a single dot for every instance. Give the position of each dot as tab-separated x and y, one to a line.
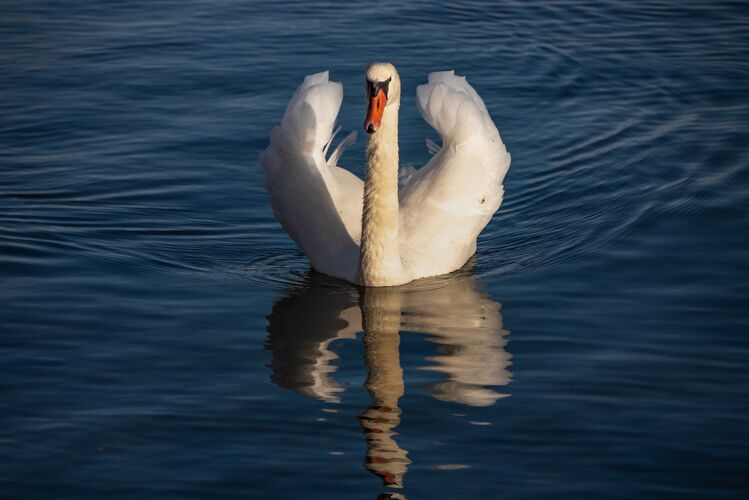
451	310
302	325
467	325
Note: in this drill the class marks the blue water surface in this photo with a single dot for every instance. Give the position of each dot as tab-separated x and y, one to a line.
162	337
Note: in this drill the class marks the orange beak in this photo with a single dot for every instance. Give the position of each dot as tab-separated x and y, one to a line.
376	107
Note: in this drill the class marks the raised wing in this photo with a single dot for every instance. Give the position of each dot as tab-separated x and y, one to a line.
317	203
445	204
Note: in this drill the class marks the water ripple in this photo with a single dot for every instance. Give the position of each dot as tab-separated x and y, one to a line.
140	261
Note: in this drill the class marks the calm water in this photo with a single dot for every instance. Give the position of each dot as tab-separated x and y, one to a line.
161	337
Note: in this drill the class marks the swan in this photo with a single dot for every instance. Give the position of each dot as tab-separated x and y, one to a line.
397	225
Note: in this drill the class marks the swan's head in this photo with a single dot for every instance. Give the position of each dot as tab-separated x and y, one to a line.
383	89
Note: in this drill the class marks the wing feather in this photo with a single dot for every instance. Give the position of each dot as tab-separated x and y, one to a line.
313	199
445	204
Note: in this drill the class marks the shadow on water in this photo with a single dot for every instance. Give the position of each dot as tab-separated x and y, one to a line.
452	311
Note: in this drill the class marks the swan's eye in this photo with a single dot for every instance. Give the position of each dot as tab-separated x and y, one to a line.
374	87
385	86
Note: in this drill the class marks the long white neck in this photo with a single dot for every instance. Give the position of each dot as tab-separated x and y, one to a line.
380	260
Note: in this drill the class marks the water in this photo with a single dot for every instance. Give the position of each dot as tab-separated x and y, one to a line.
163	338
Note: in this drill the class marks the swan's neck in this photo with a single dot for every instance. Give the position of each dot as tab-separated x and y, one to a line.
380	261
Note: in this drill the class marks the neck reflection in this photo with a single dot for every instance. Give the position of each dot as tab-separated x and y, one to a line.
452	311
381	319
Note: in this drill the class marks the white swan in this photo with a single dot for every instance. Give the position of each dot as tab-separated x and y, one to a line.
370	233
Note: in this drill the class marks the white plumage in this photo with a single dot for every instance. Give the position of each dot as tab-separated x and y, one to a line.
442	207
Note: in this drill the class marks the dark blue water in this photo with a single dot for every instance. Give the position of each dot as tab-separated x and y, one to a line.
161	337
